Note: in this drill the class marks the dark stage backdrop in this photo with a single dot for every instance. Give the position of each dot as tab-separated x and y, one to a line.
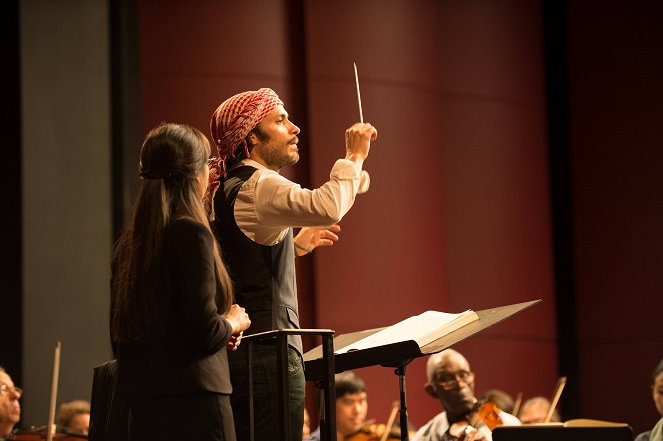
616	105
471	98
459	213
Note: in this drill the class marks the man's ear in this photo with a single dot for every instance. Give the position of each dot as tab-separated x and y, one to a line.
251	140
430	390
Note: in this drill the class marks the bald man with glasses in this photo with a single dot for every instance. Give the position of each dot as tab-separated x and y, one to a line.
10	409
451	382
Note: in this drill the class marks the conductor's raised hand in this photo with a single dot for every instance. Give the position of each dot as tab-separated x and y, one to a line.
358	141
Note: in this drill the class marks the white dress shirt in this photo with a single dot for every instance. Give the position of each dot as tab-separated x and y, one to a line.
268	204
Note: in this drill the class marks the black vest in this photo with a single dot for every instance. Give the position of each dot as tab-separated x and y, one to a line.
263	276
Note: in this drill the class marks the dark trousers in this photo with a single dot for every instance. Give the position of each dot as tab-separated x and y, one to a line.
265	393
195	417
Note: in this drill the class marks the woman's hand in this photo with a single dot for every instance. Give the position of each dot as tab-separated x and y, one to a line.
240	321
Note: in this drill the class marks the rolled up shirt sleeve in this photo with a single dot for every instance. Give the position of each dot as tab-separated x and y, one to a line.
268	201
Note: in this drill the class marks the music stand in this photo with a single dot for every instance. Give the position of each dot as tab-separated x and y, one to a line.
328	421
560	432
400	354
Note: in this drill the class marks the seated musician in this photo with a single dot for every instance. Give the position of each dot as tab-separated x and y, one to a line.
351	406
657	395
502	399
74	417
10	409
451	382
351	410
535	410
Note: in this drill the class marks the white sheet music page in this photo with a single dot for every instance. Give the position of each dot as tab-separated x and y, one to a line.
422	328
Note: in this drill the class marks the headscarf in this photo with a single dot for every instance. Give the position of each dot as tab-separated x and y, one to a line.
230	125
236	117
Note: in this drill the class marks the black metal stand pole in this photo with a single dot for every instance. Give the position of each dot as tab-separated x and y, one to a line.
281	337
284	384
250	369
328	423
400	371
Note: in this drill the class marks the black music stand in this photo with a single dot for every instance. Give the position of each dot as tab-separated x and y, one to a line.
328	421
400	354
560	432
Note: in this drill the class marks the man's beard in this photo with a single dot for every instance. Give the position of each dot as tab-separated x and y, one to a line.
276	158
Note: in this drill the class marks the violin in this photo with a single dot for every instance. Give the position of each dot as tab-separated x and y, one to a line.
40	433
379	432
375	432
483	417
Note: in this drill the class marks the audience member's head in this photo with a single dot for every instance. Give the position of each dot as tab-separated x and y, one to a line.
10	409
657	387
451	382
74	416
535	410
501	399
351	403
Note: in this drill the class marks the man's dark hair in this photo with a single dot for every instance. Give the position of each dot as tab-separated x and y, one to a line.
245	147
259	132
348	383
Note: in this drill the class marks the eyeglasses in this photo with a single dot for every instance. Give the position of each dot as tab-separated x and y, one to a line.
5	389
450	381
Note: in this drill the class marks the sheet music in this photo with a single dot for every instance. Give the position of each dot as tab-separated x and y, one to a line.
422	328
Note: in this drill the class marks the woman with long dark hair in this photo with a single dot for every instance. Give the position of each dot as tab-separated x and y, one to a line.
172	316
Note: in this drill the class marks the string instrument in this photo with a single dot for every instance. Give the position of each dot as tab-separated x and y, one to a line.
517	404
48	432
374	432
556	394
484	416
41	433
378	432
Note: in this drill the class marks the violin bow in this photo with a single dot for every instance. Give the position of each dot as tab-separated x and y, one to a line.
558	392
54	392
516	405
390	421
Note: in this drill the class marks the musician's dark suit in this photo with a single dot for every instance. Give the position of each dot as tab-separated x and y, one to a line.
179	377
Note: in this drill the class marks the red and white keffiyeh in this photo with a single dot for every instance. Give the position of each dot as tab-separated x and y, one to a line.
230	125
236	117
